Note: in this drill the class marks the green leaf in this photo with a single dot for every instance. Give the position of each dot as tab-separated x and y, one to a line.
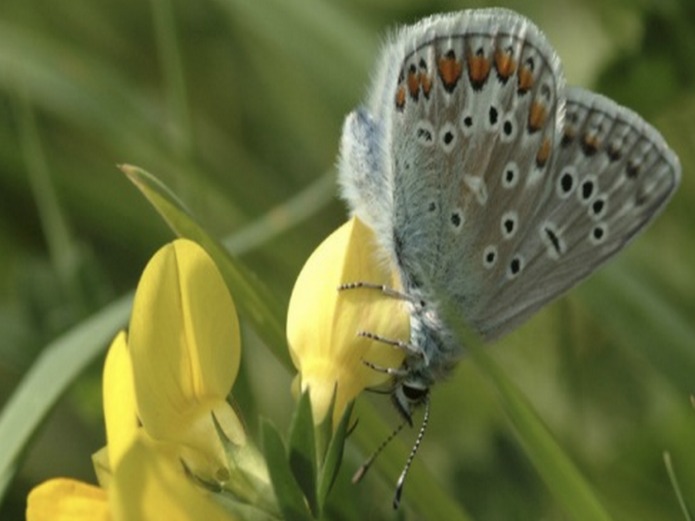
676	486
558	471
334	455
324	431
289	495
643	319
57	367
252	298
302	451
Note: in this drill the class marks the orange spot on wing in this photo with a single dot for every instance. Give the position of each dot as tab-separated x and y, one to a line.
400	97
505	64
525	79
614	152
478	70
413	84
426	84
568	136
450	70
536	117
543	153
632	169
590	144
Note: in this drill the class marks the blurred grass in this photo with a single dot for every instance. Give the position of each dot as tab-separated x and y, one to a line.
237	105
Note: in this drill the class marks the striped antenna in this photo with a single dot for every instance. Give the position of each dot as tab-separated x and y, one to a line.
413	451
365	466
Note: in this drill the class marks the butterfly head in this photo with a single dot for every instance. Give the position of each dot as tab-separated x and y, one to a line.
408	394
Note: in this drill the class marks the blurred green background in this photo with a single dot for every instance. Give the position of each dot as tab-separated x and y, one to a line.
237	105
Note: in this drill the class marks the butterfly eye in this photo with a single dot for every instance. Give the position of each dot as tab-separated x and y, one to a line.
409	395
414	394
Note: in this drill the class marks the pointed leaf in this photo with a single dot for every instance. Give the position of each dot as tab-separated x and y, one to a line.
334	455
324	432
289	495
54	370
676	487
645	320
303	450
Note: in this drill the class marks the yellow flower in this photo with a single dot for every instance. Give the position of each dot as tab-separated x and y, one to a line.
185	348
64	499
323	323
169	426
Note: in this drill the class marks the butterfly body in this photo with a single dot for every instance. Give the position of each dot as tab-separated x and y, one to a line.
486	178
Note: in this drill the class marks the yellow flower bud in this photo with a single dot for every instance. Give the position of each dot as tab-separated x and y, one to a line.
323	323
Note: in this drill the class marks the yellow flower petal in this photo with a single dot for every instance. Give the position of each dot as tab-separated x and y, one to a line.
120	409
322	322
63	499
102	467
185	348
150	483
228	421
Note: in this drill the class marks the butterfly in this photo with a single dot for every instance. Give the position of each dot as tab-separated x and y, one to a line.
484	176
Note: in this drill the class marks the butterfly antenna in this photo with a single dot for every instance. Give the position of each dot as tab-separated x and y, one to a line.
365	466
413	451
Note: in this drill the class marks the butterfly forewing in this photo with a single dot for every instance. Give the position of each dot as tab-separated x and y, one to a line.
475	112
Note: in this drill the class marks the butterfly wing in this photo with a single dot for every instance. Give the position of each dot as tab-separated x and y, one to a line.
469	108
454	97
464	165
612	173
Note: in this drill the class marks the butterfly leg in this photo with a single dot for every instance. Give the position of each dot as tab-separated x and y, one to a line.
410	349
386	290
393	371
405	346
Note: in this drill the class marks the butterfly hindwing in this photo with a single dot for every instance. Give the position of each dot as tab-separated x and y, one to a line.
612	173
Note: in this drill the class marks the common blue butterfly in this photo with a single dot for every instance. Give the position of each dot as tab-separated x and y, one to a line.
483	174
